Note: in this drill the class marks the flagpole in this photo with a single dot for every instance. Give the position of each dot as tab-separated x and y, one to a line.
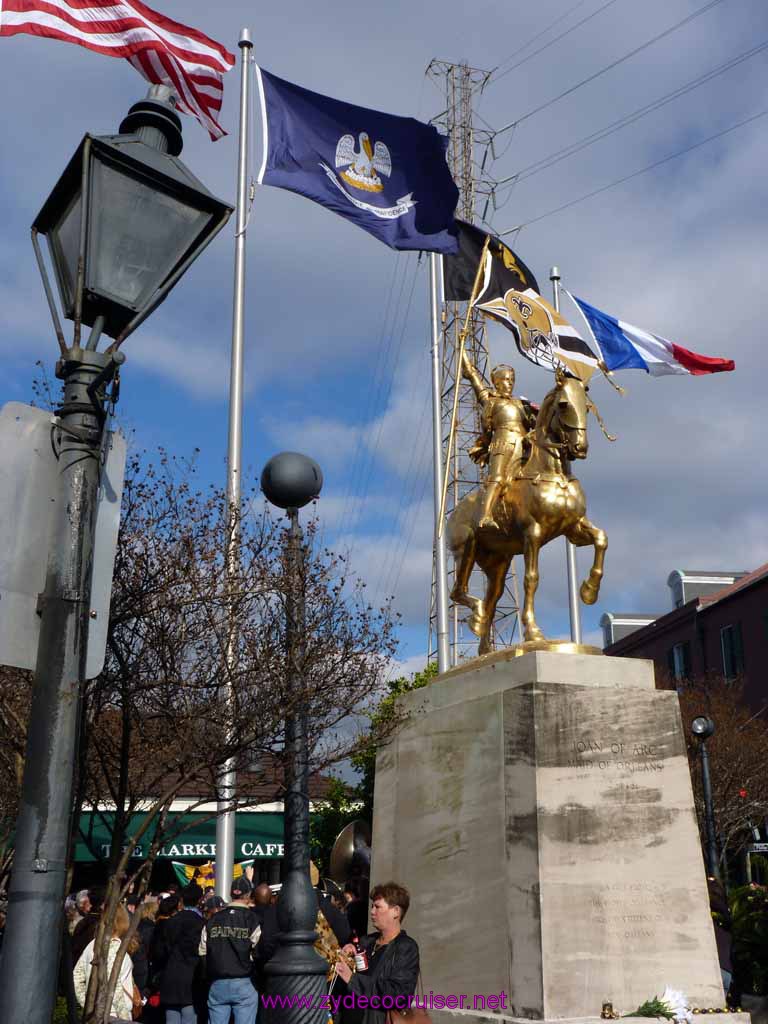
457	381
225	820
570	549
441	570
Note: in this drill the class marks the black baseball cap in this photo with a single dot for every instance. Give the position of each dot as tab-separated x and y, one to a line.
241	886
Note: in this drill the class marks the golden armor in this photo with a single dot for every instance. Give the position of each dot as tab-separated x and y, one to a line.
529	499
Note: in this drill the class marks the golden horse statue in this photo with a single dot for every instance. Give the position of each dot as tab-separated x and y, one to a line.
540	502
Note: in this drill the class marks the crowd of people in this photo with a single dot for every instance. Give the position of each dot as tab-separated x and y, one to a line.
194	958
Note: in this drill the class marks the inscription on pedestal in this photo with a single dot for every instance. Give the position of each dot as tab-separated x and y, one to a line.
622	755
628	910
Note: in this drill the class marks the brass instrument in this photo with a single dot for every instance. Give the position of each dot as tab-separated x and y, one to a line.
351	853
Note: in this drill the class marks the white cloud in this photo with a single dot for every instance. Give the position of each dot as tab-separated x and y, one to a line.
329	370
343	515
330	442
408	666
196	367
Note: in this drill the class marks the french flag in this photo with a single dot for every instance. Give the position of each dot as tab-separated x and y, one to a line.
625	347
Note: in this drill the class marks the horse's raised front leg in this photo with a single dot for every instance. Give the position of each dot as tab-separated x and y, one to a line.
582	534
532	540
496	573
460	595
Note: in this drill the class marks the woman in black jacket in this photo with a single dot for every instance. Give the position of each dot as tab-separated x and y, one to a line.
182	974
390	978
146	926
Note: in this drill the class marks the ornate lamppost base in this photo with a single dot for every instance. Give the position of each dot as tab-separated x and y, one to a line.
301	992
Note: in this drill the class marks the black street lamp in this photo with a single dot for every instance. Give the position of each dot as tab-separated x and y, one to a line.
123	223
291	481
702	728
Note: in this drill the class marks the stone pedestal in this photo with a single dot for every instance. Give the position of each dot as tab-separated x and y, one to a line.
540	811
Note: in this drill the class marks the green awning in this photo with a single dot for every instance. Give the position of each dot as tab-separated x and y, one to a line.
258	834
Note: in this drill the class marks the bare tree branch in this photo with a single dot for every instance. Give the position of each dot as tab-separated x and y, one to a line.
156	722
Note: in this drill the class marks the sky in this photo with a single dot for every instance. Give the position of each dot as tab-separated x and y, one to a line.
337	324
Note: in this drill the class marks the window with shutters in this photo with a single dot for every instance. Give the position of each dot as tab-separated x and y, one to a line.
679	660
732	649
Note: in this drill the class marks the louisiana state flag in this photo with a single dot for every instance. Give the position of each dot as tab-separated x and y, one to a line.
387	174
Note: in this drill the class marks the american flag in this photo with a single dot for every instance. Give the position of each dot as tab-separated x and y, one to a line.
163	51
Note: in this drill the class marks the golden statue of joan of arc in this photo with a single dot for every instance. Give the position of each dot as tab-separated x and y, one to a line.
505	420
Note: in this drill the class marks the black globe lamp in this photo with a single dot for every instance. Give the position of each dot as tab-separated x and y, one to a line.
290	481
702	728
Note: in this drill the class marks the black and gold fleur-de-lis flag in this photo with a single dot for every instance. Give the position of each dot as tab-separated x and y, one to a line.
509	293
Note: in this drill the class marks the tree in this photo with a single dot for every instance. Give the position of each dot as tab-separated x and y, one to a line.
749	913
385	718
738	753
158	720
15	689
329	817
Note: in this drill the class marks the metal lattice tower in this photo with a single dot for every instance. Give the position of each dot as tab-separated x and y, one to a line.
467	146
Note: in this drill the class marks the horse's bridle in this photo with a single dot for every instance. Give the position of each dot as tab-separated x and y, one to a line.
562	430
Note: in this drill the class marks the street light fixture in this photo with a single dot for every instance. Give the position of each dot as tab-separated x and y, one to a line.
125	220
123	223
702	728
291	481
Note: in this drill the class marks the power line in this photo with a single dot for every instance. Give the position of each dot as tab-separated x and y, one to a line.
636	174
413	496
395	579
628	119
552	42
543	32
393	548
372	453
611	66
415	479
377	385
415	473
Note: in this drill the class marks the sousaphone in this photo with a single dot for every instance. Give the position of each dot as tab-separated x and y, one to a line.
351	853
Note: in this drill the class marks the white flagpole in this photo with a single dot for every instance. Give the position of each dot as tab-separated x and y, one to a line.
570	550
225	821
441	571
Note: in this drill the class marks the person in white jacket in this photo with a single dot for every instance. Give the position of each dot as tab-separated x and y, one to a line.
123	999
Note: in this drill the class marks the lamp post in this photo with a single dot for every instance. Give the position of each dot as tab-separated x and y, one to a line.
123	223
702	728
290	481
